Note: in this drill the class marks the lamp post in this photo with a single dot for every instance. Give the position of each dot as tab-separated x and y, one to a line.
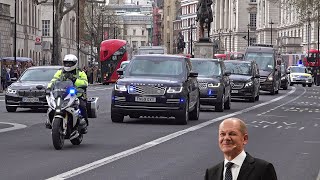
308	30
248	34
78	31
15	33
53	9
271	23
230	39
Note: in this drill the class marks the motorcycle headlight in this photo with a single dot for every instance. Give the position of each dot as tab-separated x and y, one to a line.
283	78
174	90
11	91
249	84
213	85
121	88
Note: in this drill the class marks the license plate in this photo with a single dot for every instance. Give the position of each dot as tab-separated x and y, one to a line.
145	99
234	91
30	100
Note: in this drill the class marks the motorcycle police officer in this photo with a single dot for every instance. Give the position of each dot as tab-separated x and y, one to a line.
79	79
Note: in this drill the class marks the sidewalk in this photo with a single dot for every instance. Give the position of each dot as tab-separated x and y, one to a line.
2	93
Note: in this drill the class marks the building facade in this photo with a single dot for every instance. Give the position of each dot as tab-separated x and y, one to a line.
170	14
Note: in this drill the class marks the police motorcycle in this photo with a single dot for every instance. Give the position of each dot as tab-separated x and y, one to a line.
64	114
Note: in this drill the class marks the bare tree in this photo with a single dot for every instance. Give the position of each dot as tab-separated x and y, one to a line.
61	8
304	8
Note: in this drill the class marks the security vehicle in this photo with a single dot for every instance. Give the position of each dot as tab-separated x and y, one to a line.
244	79
269	67
300	75
156	85
24	94
284	77
214	83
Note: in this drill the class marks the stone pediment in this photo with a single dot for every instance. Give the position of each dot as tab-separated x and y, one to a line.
252	9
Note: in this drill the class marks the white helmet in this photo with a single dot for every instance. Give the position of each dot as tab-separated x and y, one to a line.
70	62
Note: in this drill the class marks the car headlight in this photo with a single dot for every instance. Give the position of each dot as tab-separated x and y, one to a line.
11	91
213	84
249	84
174	90
270	78
283	78
121	88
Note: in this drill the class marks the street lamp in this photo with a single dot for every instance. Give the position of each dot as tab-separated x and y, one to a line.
15	33
53	29
191	38
271	23
230	39
249	25
309	24
78	31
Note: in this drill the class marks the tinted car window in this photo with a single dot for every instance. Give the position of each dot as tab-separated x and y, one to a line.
239	68
206	68
155	66
265	61
38	75
298	70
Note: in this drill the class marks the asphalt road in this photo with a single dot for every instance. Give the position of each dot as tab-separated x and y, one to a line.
283	129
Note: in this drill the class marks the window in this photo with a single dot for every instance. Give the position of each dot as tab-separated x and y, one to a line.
143	43
134	44
253	20
142	32
253	0
125	32
45	27
134	32
253	40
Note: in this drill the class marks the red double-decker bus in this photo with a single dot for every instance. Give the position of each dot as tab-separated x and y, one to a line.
112	53
312	62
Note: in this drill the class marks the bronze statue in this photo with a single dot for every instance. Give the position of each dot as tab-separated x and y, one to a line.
204	16
181	44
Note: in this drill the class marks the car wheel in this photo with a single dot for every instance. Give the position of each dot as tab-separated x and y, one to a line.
252	99
219	107
309	85
116	117
285	87
291	84
183	117
227	104
257	97
11	109
194	114
304	85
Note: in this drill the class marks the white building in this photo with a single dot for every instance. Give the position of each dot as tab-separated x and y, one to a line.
34	31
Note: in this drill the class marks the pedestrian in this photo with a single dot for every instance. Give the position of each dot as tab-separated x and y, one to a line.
3	77
238	164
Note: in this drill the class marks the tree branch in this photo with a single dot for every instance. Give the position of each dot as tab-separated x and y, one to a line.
75	4
37	2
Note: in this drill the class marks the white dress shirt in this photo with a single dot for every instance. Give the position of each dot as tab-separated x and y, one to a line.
235	169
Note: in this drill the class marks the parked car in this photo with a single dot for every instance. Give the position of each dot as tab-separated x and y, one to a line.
284	77
300	75
24	94
156	85
214	83
244	79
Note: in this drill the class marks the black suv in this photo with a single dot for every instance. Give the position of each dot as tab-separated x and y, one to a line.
214	83
156	85
244	79
284	77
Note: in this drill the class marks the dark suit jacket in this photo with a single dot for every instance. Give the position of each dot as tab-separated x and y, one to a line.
251	169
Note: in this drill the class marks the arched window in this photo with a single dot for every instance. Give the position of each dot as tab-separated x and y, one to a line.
18	52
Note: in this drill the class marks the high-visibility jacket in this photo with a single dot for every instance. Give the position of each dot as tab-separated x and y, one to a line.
81	79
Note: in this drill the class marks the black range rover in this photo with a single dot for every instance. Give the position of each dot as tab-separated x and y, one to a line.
24	94
244	79
156	85
214	83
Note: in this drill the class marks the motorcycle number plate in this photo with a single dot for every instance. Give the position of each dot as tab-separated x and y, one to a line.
32	100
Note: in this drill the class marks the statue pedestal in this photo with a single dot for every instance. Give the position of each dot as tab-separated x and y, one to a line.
204	48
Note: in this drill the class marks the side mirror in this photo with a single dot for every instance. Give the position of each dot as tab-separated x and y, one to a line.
13	79
193	74
39	87
287	72
257	76
227	73
120	71
309	72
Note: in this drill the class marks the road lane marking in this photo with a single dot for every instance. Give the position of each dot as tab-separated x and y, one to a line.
318	178
15	127
312	142
112	158
274	115
284	103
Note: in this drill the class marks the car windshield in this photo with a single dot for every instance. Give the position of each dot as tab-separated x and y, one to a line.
41	74
298	70
265	61
206	68
239	68
156	66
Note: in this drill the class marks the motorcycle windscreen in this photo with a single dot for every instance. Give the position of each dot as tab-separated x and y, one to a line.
62	89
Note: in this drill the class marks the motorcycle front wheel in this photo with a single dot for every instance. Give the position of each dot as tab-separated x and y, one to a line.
57	134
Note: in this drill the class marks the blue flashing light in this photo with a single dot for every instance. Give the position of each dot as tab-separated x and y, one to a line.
210	92
72	91
131	89
182	100
300	62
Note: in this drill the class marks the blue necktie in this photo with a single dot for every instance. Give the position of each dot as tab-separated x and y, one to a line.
228	175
